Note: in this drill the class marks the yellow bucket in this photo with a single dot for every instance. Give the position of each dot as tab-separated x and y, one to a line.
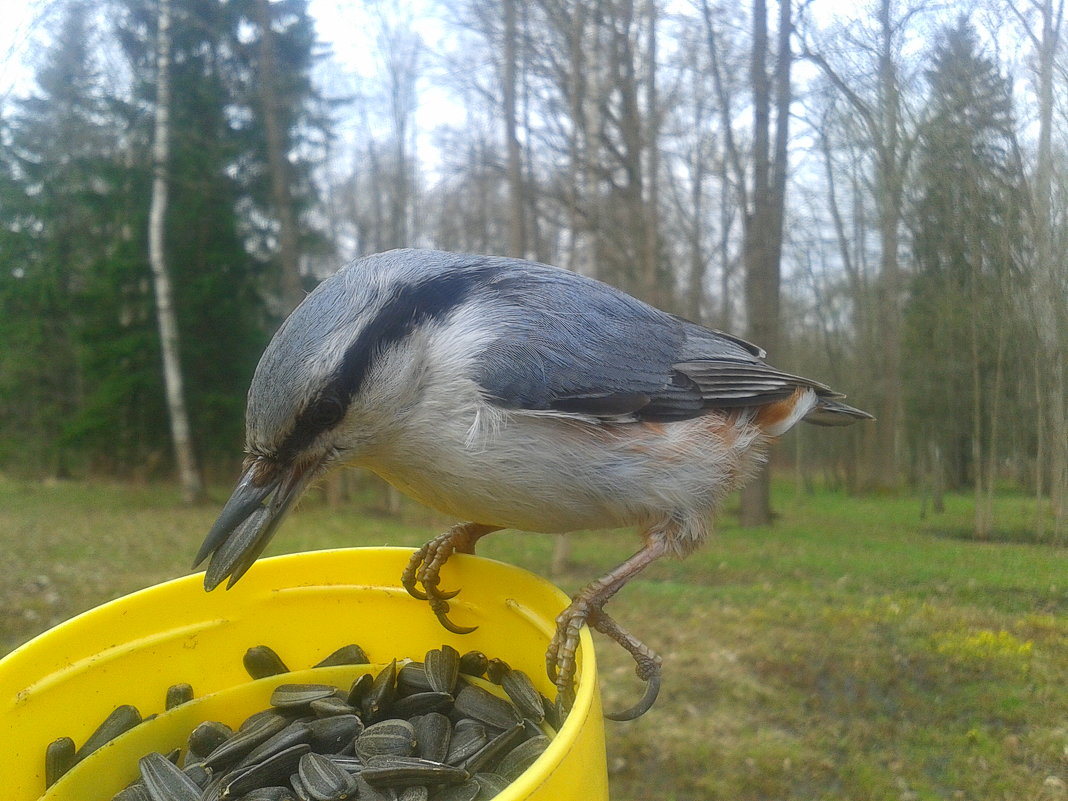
304	606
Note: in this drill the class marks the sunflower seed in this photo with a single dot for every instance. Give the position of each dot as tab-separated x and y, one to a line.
271	770
524	695
164	781
298	696
490	784
239	745
122	719
386	737
334	734
261	661
59	758
496	669
351	654
324	780
522	757
388	770
474	663
330	707
381	694
432	734
442	666
206	737
178	694
482	705
487	757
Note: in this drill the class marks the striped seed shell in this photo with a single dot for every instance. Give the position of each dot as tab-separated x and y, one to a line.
474	702
164	781
487	757
381	694
324	780
518	686
294	734
465	742
395	737
261	661
522	757
350	654
122	719
361	685
296	696
387	770
271	770
442	666
59	758
237	746
432	734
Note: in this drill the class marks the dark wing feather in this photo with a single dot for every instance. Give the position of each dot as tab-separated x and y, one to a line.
570	344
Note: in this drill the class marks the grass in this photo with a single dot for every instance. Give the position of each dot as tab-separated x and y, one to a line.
850	651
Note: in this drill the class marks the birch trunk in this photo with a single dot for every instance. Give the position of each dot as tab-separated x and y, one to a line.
188	473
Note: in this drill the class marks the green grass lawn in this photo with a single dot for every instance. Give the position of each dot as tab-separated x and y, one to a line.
850	651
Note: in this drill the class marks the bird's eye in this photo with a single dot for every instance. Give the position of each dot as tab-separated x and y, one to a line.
325	412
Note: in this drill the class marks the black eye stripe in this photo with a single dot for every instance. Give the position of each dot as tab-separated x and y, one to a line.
410	305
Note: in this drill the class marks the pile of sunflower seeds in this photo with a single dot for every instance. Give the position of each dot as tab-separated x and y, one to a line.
416	731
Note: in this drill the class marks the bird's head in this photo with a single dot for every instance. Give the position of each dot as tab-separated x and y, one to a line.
334	379
301	418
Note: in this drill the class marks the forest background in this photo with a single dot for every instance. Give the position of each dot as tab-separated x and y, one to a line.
876	193
876	196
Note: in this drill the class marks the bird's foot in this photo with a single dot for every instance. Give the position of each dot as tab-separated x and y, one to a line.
588	607
425	568
647	665
560	658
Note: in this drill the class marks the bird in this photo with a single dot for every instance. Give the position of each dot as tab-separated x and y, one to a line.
510	394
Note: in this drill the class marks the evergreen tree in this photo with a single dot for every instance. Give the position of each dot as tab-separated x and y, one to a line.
59	231
961	321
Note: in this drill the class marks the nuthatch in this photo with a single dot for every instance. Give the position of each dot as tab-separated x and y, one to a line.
511	395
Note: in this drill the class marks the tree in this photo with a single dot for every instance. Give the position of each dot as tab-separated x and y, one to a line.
170	349
887	134
967	226
60	218
763	197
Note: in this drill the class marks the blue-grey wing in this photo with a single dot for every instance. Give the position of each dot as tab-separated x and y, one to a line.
567	343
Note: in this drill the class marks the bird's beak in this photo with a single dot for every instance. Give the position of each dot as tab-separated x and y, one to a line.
249	519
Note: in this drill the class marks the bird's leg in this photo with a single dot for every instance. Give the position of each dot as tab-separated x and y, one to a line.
587	605
425	567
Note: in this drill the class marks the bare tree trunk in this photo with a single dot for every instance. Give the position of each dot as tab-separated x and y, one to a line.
291	290
517	234
764	223
651	232
188	473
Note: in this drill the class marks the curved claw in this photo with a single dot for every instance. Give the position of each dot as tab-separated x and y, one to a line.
417	593
443	619
652	690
